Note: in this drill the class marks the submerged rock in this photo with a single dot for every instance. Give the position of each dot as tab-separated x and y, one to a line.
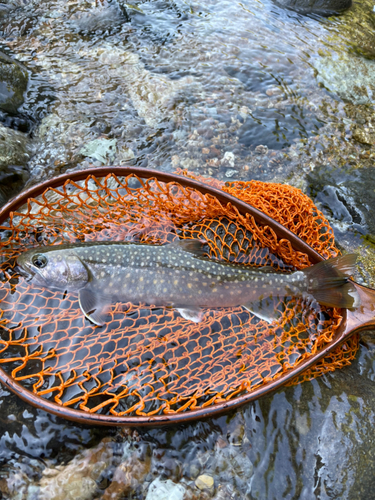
152	95
349	76
78	479
320	7
13	83
102	150
347	197
15	147
12	180
165	490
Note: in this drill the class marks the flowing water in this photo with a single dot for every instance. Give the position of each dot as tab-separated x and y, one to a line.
234	90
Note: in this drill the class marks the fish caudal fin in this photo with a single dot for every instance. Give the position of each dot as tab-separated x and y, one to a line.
329	284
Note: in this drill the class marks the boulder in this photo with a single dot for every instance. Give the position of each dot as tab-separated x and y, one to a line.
13	83
320	7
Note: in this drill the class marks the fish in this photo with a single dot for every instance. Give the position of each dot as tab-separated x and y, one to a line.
179	275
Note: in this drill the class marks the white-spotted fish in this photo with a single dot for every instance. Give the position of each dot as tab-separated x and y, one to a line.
178	275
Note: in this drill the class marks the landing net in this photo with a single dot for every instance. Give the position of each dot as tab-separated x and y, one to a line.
150	361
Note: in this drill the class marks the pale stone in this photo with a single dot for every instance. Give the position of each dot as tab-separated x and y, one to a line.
165	490
204	482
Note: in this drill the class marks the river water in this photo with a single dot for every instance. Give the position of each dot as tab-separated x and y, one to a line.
236	91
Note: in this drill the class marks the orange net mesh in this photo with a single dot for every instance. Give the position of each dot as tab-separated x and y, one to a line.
146	360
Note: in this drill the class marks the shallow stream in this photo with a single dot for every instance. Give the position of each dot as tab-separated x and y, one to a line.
232	90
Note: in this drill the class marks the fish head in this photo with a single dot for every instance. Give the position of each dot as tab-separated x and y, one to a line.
53	268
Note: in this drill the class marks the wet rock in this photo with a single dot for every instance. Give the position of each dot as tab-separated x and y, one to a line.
231	173
12	180
346	197
205	483
261	150
349	76
129	476
152	95
165	490
364	136
15	147
101	18
229	159
77	479
102	150
5	9
320	7
277	128
13	84
232	465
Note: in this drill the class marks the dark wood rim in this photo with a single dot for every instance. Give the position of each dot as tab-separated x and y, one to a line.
351	323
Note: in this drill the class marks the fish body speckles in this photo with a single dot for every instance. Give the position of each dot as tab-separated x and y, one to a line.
174	275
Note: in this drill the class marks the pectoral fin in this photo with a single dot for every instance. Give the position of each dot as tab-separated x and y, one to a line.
263	309
94	306
191	313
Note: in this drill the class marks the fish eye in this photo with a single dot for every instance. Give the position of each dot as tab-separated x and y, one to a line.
39	261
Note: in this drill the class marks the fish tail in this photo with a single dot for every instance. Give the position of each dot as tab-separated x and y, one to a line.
329	282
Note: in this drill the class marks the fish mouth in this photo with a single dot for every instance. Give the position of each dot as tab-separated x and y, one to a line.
24	273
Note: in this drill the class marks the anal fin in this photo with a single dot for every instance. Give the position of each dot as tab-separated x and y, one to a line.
191	313
263	309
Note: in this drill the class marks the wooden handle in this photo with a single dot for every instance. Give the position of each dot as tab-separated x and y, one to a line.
363	317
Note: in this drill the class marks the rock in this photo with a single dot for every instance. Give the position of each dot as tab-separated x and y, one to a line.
320	7
15	147
5	9
261	150
77	479
349	76
232	465
13	83
102	149
228	159
101	19
124	155
231	173
128	476
276	129
12	180
347	197
205	483
363	136
152	95
165	490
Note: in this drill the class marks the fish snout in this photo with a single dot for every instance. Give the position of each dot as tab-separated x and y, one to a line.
24	273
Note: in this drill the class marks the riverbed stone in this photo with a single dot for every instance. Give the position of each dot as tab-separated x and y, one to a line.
77	479
129	476
165	490
205	483
101	149
349	76
321	7
13	84
15	147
